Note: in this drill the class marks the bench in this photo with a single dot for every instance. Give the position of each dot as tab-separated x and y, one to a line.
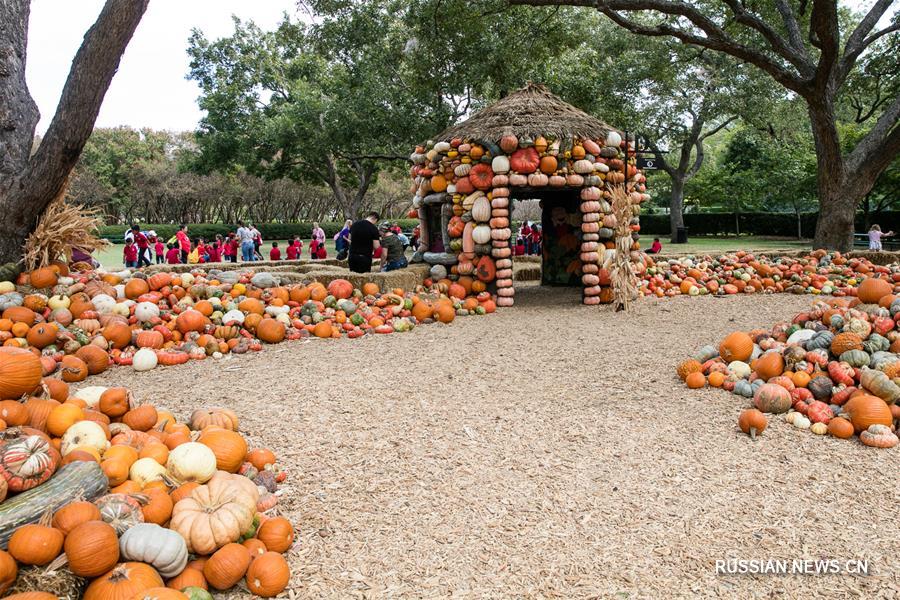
861	240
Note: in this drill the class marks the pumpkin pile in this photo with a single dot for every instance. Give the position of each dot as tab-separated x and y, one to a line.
834	369
81	323
470	183
122	500
745	273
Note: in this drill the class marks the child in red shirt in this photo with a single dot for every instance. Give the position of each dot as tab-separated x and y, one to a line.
130	253
314	249
213	252
173	255
274	253
321	253
160	249
292	250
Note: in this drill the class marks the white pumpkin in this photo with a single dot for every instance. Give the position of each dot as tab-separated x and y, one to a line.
103	303
740	369
481	234
90	394
801	422
481	210
145	470
438	272
500	164
442	147
144	359
7	287
162	548
122	308
819	428
146	311
583	167
277	310
84	433
186	279
120	291
284	318
613	139
233	315
58	301
191	461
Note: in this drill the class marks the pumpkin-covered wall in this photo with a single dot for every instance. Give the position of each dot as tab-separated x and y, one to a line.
463	184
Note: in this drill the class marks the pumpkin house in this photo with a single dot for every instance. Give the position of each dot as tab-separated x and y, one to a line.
528	145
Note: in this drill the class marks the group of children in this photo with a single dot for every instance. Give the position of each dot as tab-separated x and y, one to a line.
529	239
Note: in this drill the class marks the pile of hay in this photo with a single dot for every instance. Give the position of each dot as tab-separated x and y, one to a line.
62	228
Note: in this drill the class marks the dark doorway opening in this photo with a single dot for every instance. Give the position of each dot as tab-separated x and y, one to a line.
561	234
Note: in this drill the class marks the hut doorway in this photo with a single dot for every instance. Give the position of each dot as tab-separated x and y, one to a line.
561	234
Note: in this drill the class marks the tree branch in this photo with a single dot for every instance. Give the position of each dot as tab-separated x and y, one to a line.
718	127
778	43
18	111
824	25
792	26
92	71
698	159
879	147
858	41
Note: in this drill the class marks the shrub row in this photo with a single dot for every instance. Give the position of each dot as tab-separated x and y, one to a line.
269	231
774	224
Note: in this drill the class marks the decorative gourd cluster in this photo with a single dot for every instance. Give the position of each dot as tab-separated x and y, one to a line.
745	273
102	497
834	369
471	181
81	323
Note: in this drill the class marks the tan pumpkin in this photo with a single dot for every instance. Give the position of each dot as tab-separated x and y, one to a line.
220	417
216	513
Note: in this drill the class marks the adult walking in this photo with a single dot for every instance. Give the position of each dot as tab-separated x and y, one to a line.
342	240
364	238
143	246
393	257
257	241
184	243
245	237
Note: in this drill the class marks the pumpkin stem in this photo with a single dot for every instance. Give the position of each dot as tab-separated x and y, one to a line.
47	517
753	433
57	563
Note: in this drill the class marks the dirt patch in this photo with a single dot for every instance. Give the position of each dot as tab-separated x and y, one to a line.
546	451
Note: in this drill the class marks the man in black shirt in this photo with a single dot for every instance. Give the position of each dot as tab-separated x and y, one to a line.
364	238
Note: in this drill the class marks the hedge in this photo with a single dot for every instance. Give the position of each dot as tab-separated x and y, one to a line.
269	231
774	224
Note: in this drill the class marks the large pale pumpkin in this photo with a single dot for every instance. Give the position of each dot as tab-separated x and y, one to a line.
772	398
217	513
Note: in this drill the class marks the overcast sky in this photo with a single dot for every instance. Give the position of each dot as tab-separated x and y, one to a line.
150	89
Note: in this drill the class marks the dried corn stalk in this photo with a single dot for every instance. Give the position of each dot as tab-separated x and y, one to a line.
624	282
61	228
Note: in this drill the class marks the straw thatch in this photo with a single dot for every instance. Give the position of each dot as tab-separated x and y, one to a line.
528	112
624	282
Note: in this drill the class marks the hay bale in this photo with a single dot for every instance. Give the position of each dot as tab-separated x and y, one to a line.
58	581
526	272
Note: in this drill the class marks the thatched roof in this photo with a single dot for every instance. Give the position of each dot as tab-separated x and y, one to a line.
528	112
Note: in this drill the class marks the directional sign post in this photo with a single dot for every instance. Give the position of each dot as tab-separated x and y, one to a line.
647	163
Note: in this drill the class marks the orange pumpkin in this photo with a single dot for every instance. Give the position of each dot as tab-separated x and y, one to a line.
20	372
118	334
123	582
271	331
736	346
136	288
41	335
95	357
45	277
228	446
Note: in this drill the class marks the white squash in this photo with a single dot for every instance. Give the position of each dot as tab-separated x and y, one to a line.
801	422
186	279
7	287
162	548
500	164
145	470
613	139
481	210
90	394
122	308
739	368
144	359
481	234
58	301
146	311
233	315
191	461
819	428
103	303
583	167
84	433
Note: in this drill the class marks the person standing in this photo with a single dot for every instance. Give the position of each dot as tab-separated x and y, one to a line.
318	233
364	238
342	240
257	241
245	237
184	243
875	235
393	257
143	246
525	234
160	249
130	253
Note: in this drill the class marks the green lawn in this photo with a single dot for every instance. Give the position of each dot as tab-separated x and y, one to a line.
712	245
111	258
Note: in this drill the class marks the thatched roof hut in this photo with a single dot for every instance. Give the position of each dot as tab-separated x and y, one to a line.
527	113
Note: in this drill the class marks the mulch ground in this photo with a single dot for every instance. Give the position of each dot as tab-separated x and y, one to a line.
545	451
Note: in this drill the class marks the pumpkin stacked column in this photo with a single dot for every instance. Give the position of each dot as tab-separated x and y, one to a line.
590	226
500	232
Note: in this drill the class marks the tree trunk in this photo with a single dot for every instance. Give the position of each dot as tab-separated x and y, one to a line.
676	205
834	227
31	182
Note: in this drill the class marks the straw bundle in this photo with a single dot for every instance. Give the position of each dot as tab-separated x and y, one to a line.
61	228
528	112
624	282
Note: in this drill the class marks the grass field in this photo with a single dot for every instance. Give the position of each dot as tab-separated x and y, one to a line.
111	258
